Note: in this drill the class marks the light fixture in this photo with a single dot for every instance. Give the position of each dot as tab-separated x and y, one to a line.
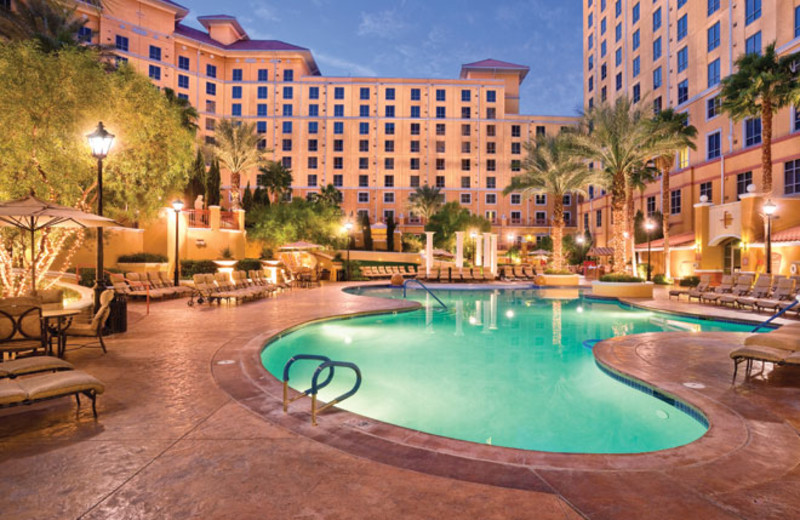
177	205
770	208
100	141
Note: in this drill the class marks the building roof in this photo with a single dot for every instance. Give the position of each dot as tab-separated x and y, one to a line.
209	20
674	241
787	235
180	11
492	64
245	45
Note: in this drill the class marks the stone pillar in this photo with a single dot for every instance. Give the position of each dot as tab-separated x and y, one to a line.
214	218
753	230
701	237
494	254
428	252
459	249
478	243
487	250
239	217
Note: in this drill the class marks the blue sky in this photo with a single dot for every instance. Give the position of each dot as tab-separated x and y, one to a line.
427	38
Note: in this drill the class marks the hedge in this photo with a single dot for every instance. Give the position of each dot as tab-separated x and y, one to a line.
142	258
248	264
190	268
618	277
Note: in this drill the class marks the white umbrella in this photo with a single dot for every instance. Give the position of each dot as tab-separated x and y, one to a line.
299	246
32	215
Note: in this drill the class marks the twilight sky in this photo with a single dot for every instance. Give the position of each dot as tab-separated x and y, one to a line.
427	38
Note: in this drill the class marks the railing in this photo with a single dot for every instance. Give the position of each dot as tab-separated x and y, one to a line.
405	284
198	218
316	386
227	220
776	315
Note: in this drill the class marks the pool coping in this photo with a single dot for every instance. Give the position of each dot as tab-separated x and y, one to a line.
249	383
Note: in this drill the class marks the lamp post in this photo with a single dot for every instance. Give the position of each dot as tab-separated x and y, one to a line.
649	226
100	142
347	227
769	211
177	205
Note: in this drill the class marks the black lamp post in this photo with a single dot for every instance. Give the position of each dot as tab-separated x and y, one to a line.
769	210
177	205
649	226
100	142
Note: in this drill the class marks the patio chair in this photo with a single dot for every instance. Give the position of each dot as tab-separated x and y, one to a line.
488	276
94	329
518	274
780	347
697	292
21	326
784	292
156	283
32	365
529	272
742	288
33	389
168	281
704	279
760	290
725	286
140	283
227	289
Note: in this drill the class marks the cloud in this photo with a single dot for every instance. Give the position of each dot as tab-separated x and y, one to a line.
265	12
386	24
347	67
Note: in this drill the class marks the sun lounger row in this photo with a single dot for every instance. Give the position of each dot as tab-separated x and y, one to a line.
519	273
25	381
767	294
473	274
153	285
374	272
781	347
236	287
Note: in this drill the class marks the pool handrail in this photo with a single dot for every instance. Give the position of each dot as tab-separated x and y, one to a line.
405	283
775	316
315	386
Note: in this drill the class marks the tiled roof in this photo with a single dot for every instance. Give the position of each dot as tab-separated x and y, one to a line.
674	241
787	235
494	64
601	251
241	45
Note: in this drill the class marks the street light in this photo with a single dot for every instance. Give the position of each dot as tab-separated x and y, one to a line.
649	226
177	205
769	210
347	227
100	142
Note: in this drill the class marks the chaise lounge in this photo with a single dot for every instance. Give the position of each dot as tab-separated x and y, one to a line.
780	347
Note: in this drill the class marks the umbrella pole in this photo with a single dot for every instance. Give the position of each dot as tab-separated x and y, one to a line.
33	260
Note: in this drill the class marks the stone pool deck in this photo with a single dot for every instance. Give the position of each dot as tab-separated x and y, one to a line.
172	442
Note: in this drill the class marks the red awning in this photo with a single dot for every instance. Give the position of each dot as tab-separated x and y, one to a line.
683	239
787	235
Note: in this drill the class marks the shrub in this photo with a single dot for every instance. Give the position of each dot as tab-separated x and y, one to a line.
190	268
620	278
690	281
557	271
86	275
267	253
142	258
248	264
660	279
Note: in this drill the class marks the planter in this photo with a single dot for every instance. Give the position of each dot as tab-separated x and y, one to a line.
142	267
623	289
558	280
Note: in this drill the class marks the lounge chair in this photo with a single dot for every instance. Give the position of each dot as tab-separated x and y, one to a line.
705	280
760	290
784	292
21	329
32	389
33	365
519	274
94	329
169	281
203	291
141	283
121	286
488	276
723	288
697	292
781	347
529	273
742	288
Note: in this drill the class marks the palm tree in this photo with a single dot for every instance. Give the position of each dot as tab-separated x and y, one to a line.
677	134
618	137
52	23
551	167
328	195
761	85
237	148
637	180
425	201
188	113
276	179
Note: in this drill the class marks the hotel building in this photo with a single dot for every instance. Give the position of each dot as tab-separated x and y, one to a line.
674	53
375	139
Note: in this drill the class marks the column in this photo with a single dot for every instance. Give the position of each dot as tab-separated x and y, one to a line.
494	254
459	249
478	243
428	252
487	250
214	217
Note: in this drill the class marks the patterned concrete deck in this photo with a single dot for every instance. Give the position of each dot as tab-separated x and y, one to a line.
171	442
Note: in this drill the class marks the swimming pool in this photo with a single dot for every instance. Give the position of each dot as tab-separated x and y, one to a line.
501	367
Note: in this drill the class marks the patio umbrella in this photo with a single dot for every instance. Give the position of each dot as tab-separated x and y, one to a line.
443	253
299	246
540	252
32	215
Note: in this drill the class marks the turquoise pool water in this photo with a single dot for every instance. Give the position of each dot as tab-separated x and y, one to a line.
501	367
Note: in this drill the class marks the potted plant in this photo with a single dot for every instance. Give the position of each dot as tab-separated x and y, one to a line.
620	285
557	277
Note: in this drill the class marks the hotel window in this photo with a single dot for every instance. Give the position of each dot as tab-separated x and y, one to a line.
388	128
619	81
363	111
466	198
338	127
415	94
363	197
338	180
657	48
312	163
683	158
183	63
706	190
516	217
287	145
490	130
414	163
603	26
602	5
591	83
440	164
287	127
791	177
183	81
675	202
657	105
636	66
363	181
288	92
313	92
657	78
683	91
491	96
288	110
618	57
516	165
540	199
440	94
388	163
338	163
636	39
618	8
363	93
414	146
743	180
603	94
491	183
591	42
752	11
516	148
154	72
752	131
586	221
363	145
338	110
211	71
388	146
465	112
465	181
466	95
752	45
714	145
363	128
713	73
796	125
211	106
651	205
236	109
236	92
312	180
440	147
263	75
236	74
388	181
388	198
635	13
618	32
212	123
440	129
414	128
415	111
286	162
313	127
713	37
516	199
440	181
590	22
797	21
603	48
121	43
683	59
656	19
491	113
713	6
491	147
288	75
338	145
516	131
155	53
637	93
312	145
683	27
491	198
413	181
262	94
440	113
338	93
465	165
541	218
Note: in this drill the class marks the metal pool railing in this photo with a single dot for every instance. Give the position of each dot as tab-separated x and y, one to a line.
405	284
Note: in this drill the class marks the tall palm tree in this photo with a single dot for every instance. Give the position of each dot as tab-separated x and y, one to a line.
637	180
52	23
425	201
188	113
276	179
551	167
616	136
237	148
677	134
761	85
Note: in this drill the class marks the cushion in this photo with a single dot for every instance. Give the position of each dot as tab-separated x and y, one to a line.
763	353
777	339
60	383
11	392
33	364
